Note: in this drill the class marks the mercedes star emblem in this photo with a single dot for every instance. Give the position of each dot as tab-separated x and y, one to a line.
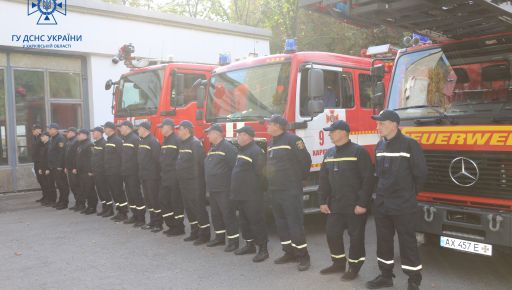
464	171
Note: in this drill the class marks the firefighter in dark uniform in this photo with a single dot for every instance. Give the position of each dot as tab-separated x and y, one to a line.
56	164
43	169
345	191
37	132
171	202
288	163
98	171
70	169
247	188
190	172
130	173
401	171
113	157
149	173
218	166
84	170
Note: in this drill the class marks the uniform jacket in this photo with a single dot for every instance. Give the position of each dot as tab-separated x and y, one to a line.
288	163
56	151
401	170
346	178
218	166
248	177
129	164
149	158
113	155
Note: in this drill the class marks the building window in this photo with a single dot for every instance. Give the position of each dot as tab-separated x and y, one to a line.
66	115
64	85
189	94
29	89
3	123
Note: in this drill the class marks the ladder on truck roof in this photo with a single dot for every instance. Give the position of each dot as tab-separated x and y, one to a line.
437	19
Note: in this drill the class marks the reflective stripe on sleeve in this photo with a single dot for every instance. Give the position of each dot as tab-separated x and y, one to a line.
403	154
185	150
280	147
110	144
217	153
129	145
145	146
179	216
98	148
245	157
340	159
169	146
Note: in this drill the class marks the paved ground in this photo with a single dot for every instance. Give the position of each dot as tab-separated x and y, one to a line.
41	248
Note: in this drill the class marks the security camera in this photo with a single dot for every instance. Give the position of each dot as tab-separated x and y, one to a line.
115	60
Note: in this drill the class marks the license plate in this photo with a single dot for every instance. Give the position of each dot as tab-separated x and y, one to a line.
466	246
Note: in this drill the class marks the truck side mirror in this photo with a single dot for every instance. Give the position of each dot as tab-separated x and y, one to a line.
316	83
315	107
378	97
108	85
377	72
200	96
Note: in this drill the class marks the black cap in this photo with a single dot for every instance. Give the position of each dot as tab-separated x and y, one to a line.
166	122
215	127
110	125
338	125
387	115
145	125
98	129
54	126
278	119
83	131
185	124
72	129
126	123
247	130
36	126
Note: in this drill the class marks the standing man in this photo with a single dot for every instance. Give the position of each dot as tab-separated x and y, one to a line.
346	187
149	173
190	171
70	169
130	173
401	171
288	163
247	188
56	164
113	157
171	202
218	166
98	171
84	170
43	170
37	131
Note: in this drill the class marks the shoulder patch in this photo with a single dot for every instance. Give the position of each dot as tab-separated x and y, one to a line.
300	144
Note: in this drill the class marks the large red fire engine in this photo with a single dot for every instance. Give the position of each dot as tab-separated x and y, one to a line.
310	89
154	90
454	95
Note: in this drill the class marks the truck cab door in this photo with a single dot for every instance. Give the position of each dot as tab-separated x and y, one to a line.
338	102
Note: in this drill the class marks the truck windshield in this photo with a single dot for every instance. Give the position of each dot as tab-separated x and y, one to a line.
465	84
249	93
140	93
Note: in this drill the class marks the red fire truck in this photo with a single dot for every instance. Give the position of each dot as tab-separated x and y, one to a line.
454	95
310	89
154	90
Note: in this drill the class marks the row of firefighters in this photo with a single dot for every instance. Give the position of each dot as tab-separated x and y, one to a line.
176	175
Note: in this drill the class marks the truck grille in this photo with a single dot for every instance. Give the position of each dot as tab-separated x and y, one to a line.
494	169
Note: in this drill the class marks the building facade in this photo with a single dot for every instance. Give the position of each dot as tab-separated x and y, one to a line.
54	62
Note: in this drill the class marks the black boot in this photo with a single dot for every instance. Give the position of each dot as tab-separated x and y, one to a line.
288	257
233	245
80	208
157	228
262	254
119	217
131	220
413	286
350	275
102	211
140	219
380	281
176	231
194	233
89	211
220	240
146	227
61	206
414	281
304	262
204	236
109	212
249	248
336	267
75	207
